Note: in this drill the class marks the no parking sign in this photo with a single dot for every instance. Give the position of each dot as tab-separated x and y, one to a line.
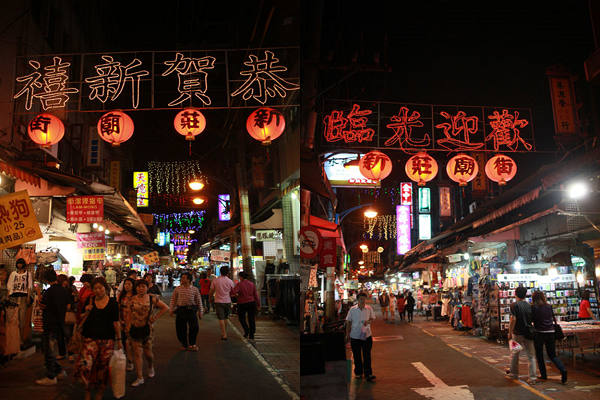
310	242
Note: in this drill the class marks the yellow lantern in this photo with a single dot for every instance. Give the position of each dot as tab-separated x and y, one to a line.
375	165
46	130
421	168
189	123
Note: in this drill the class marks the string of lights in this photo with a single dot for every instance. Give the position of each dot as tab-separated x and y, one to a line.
180	222
385	225
173	177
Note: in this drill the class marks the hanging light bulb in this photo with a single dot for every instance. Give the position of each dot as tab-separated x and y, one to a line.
552	271
580	277
100	228
598	271
196	184
107	231
517	264
95	225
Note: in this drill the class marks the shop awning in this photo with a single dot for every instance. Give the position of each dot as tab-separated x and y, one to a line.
275	221
327	229
19	174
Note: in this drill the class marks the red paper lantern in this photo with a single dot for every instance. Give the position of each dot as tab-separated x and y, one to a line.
189	123
462	169
375	165
501	169
115	127
265	124
421	168
46	130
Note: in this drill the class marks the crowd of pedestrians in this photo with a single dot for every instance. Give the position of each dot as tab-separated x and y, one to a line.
94	323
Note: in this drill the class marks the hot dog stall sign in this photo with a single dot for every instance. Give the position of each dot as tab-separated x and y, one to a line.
18	223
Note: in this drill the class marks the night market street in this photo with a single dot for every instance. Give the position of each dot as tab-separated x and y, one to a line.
403	354
219	370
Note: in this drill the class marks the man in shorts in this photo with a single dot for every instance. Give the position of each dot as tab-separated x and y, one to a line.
220	293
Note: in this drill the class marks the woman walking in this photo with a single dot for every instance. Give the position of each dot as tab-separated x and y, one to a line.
140	328
124	305
543	318
410	306
152	288
393	302
401	306
100	329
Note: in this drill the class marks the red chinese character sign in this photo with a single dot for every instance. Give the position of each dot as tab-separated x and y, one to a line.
328	255
93	245
311	242
85	209
501	169
421	168
46	130
419	127
265	125
189	123
462	169
406	193
18	223
375	165
115	127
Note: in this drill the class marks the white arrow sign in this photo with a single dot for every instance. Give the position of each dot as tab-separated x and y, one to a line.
441	391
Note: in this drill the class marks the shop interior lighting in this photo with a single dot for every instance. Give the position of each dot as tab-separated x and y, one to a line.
552	271
294	195
252	237
100	228
107	232
95	225
518	264
598	272
466	256
578	190
393	280
580	277
364	246
362	266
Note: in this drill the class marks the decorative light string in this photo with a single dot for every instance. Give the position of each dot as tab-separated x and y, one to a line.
385	224
180	222
173	177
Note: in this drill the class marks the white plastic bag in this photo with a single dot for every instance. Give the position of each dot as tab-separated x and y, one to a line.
118	369
514	346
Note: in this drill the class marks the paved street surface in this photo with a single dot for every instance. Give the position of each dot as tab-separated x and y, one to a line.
219	370
430	360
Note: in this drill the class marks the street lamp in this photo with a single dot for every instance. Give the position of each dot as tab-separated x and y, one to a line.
578	190
369	213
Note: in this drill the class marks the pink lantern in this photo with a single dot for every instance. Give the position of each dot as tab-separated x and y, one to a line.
462	169
375	165
421	168
115	127
501	169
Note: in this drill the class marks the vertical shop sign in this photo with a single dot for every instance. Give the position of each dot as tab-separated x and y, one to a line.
224	207
94	148
115	175
85	209
403	229
563	104
328	256
424	226
445	202
424	200
140	183
406	193
93	245
18	223
480	181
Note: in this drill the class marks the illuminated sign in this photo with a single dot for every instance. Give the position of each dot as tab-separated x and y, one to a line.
424	200
418	127
224	207
162	239
96	82
341	176
424	226
140	183
403	229
406	194
445	202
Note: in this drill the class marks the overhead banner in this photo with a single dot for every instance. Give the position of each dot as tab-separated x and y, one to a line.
93	245
18	223
418	127
85	209
342	170
219	255
563	105
155	79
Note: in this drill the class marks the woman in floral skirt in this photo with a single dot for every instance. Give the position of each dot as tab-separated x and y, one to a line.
100	329
124	304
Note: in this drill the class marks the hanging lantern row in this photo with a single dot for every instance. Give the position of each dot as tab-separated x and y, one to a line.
422	168
116	127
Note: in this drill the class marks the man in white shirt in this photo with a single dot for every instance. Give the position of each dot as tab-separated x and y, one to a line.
358	331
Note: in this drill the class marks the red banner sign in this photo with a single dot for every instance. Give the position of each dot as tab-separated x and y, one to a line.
328	256
85	209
